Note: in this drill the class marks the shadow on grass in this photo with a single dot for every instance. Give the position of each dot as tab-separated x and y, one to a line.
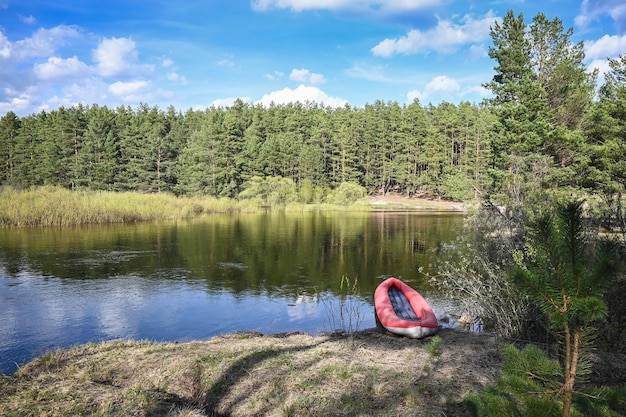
213	398
265	370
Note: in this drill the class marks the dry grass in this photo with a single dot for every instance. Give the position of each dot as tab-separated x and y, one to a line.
250	374
56	206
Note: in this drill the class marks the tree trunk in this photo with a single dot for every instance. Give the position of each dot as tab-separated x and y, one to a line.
571	364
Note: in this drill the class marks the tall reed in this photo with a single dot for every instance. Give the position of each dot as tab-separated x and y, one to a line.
344	315
55	206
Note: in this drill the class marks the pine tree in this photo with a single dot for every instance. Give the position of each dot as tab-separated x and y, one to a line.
344	165
9	129
541	93
564	270
236	120
369	154
199	169
130	175
606	133
606	144
99	156
27	153
521	110
566	274
561	71
414	130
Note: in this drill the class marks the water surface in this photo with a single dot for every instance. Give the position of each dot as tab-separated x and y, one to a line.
271	272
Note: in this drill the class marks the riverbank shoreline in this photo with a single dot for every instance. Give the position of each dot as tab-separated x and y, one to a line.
241	374
369	372
54	206
396	201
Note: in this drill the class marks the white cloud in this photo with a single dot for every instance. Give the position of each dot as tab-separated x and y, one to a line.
602	65
118	57
593	10
89	90
440	85
301	94
478	90
57	67
173	76
306	76
275	76
121	88
228	101
608	46
369	73
29	20
36	76
444	88
43	43
446	37
5	47
19	72
17	104
413	94
597	52
478	51
227	63
381	7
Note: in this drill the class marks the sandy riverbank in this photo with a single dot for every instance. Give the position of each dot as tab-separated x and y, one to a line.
397	201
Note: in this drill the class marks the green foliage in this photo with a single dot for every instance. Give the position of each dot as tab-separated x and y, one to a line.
566	274
474	272
541	95
270	191
434	347
309	193
563	272
607	148
347	193
383	147
9	129
561	267
530	386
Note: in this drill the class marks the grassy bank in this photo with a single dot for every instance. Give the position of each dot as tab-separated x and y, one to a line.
53	206
369	373
366	373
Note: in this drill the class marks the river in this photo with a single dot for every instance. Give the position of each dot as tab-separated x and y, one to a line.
269	272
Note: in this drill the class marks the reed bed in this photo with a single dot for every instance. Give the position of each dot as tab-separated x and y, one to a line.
55	206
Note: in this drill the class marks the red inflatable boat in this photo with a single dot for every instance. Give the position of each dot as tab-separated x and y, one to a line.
402	310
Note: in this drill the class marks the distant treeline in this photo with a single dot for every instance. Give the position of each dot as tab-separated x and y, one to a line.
546	127
441	151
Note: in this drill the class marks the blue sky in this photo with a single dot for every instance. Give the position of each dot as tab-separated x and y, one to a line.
198	53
